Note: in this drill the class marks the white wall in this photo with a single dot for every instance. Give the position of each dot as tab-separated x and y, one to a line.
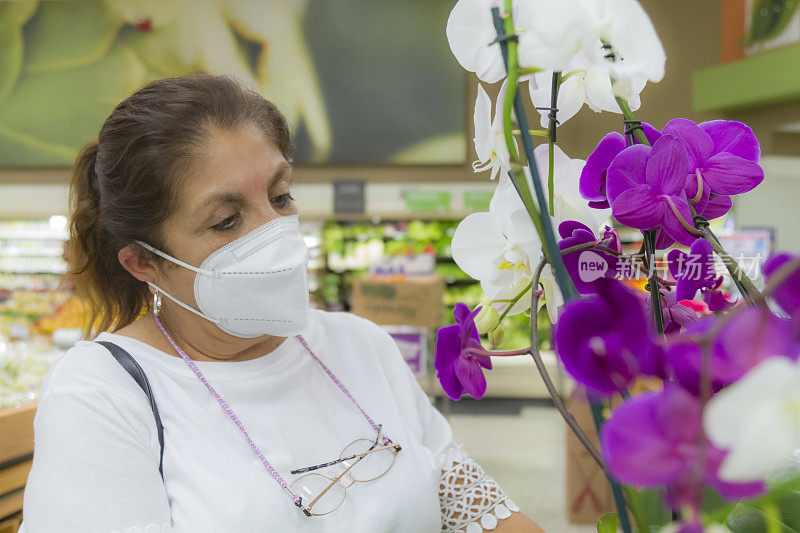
775	203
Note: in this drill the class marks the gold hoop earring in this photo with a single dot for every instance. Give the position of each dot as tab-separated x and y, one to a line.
156	302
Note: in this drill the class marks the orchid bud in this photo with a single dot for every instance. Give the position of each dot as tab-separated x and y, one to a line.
487	318
496	336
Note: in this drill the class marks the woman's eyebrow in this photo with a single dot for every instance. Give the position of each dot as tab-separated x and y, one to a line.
220	198
284	169
229	197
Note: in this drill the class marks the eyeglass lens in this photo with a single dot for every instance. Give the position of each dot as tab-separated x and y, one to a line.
370	467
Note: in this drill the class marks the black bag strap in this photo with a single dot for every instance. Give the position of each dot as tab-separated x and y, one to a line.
136	372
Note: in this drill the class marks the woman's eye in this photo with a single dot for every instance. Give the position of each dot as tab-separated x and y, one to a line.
283	200
227	224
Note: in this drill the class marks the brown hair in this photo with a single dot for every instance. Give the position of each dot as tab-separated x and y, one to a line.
125	184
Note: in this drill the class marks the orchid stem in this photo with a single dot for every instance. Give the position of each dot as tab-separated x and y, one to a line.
569	419
773	517
745	285
616	488
548	383
628	115
538	133
508	47
504	24
497	353
551	143
648	236
514	301
656	311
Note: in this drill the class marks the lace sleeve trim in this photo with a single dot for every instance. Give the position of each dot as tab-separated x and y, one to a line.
471	501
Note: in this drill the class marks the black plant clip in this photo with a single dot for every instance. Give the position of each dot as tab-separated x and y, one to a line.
504	38
630	127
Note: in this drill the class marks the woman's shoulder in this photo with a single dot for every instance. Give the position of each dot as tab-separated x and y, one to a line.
351	334
89	366
346	327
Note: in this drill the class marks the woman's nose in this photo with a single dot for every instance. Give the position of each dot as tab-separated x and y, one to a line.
266	214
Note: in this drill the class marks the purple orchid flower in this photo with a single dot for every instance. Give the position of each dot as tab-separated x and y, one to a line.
645	188
695	272
676	315
788	293
724	157
747	339
603	340
656	440
586	266
592	184
458	370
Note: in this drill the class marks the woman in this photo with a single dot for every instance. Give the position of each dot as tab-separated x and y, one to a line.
275	417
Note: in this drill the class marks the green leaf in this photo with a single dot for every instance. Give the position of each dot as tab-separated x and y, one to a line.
652	502
746	518
790	509
13	15
608	523
69	34
50	115
770	18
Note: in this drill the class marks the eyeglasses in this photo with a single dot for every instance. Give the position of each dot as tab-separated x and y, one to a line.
362	460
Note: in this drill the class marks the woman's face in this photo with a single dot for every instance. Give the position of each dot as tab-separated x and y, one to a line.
241	182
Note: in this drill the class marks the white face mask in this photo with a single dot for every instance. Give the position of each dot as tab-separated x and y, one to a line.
255	285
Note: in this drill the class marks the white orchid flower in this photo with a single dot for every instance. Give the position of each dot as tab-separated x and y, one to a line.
550	32
638	56
632	39
501	248
585	83
757	419
577	36
490	143
625	25
470	31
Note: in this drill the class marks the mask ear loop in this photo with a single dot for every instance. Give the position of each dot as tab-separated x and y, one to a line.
157	289
174	259
187	307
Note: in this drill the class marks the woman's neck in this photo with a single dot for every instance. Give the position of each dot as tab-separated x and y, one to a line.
200	342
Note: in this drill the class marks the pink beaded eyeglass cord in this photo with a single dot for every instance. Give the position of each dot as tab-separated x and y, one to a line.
270	469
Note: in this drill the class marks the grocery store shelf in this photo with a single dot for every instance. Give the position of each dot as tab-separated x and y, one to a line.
315	200
757	80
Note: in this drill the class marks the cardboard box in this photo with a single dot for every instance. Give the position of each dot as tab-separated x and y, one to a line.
588	491
405	301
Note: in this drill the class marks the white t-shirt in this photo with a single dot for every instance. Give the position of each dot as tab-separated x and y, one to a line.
96	452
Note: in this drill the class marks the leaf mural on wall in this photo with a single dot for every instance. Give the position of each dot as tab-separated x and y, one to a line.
769	19
64	65
69	34
50	114
13	15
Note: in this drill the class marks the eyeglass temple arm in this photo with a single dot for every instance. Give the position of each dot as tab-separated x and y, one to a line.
323	465
337	461
335	480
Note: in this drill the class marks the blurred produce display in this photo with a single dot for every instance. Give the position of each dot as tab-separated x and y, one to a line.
23	365
351	247
33	304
